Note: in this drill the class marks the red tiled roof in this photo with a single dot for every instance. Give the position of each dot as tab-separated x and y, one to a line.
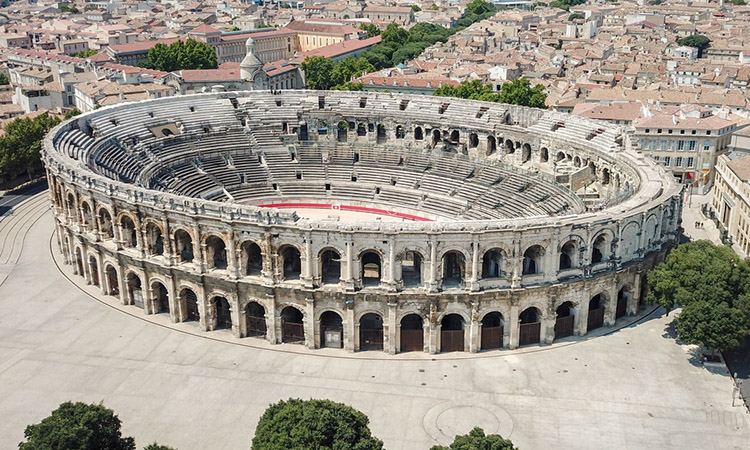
204	29
140	46
132	69
258	34
278	67
43	55
342	48
210	74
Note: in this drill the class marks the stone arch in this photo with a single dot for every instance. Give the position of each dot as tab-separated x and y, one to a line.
605	176
79	262
188	302
455	136
135	291
565	320
454	268
532	260
597	306
412	333
255	319
113	285
568	255
222	312
452	338
129	231
290	262
72	206
251	258
292	325
493	262
601	247
382	134
87	215
418	134
94	270
154	235
435	136
560	156
370	331
329	265
343	131
216	252
361	129
509	147
371	267
331	329
159	297
530	326
544	155
577	161
492	330
184	243
491	145
400	133
105	223
624	295
473	140
650	231
412	264
525	153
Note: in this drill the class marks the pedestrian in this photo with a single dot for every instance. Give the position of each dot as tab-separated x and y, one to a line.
703	361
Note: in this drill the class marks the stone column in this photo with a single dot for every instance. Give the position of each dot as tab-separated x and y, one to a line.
349	280
475	265
513	320
433	331
307	275
391	328
583	325
271	315
351	329
239	328
203	254
475	328
611	308
203	308
432	284
390	279
310	328
168	243
635	298
172	297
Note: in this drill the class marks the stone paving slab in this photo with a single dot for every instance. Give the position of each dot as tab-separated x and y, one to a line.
636	388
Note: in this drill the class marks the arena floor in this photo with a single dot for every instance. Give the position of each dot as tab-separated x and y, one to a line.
633	388
348	213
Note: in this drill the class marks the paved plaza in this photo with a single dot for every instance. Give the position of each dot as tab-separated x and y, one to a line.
635	388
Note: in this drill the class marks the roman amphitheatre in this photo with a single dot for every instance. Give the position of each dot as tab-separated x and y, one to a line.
361	221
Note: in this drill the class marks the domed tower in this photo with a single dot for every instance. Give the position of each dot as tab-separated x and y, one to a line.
251	66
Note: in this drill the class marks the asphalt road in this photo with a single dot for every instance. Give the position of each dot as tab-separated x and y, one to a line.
9	201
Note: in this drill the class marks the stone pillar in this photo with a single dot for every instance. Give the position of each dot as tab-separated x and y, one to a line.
611	308
310	328
271	315
548	328
433	331
349	280
391	329
514	327
239	328
168	243
583	321
268	254
307	275
203	255
232	254
117	231
635	297
123	285
475	265
390	278
351	328
203	308
475	328
174	305
432	284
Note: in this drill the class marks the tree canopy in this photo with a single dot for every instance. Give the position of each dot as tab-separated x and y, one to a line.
712	284
516	92
85	53
477	440
21	143
4	79
372	30
322	73
77	426
304	424
179	55
575	16
697	40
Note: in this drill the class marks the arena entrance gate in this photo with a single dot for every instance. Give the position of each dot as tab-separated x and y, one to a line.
530	327
292	328
94	268
371	332
412	334
596	313
452	333
492	331
255	315
191	305
223	314
622	301
565	321
331	330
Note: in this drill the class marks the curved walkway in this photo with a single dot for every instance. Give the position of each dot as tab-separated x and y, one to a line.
634	388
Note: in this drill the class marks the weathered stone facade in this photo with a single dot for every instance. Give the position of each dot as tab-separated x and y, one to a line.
261	271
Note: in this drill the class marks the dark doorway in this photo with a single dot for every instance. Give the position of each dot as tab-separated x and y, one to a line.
452	333
255	315
412	334
596	313
530	327
331	330
492	331
292	328
223	314
371	332
565	320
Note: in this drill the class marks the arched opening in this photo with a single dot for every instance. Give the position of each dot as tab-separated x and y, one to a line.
560	157
596	313
87	216
435	137
291	264
189	301
292	328
473	140
216	253
544	155
154	239
577	161
129	237
255	319
623	296
454	268
105	224
491	145
330	266
79	263
525	153
599	250
568	255
400	133
530	327
166	132
509	147
223	313
252	258
455	136
160	298
411	269
94	270
72	214
452	333
605	176
412	334
592	168
492	263
382	136
135	294
343	131
361	130
371	332
532	260
370	269
565	320
418	134
184	244
112	284
492	331
331	330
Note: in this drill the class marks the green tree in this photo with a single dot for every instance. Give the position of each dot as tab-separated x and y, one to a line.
69	9
738	2
372	30
715	325
156	446
416	8
85	53
179	55
309	424
477	440
394	34
344	71
434	7
698	271
77	426
4	79
318	72
520	92
235	28
72	113
21	143
697	40
575	16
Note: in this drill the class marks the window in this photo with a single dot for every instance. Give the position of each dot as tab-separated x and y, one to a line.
669	131
680	145
682	131
678	161
647	130
690	162
667	161
692	132
663	144
707	146
658	131
691	145
708	133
